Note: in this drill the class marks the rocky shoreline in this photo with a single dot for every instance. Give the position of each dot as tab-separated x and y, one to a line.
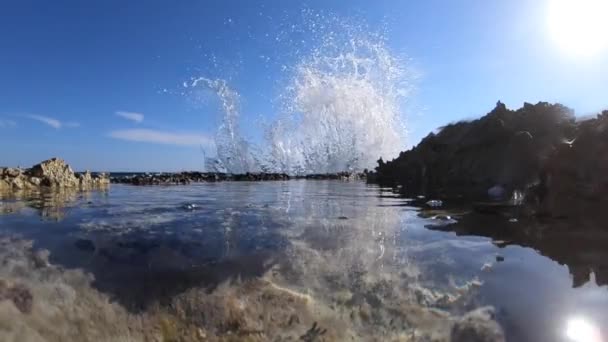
539	156
56	173
49	174
202	177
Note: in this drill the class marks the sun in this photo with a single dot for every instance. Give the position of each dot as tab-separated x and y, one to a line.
580	27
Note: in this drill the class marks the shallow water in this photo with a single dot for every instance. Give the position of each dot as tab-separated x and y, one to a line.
343	245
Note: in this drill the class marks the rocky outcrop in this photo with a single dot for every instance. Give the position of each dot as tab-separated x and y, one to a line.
538	155
573	182
52	173
504	151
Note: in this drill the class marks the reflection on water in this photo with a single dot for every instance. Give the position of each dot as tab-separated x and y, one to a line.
579	245
53	204
298	258
578	330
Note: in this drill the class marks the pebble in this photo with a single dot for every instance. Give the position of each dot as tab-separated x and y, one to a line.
190	206
434	203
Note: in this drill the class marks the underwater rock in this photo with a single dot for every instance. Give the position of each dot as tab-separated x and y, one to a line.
477	326
191	206
496	192
18	294
85	245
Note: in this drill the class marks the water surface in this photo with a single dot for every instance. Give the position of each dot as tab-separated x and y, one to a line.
344	244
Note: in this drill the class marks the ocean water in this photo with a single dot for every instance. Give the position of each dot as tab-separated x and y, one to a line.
315	260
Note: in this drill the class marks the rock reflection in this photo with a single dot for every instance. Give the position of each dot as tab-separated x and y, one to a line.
579	245
51	204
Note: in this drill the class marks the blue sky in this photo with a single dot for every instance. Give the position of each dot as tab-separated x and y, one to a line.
78	78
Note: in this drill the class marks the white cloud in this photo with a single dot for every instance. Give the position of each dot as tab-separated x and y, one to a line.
7	123
161	137
135	117
45	119
52	121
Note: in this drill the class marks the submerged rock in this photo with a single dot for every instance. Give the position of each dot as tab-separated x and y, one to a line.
497	192
477	326
17	293
85	245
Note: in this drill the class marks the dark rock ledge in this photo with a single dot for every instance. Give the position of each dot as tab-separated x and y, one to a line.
539	157
199	177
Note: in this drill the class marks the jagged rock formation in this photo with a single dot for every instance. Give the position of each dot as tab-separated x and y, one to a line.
504	148
52	173
538	150
573	180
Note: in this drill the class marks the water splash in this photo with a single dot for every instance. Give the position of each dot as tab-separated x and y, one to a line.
233	152
340	108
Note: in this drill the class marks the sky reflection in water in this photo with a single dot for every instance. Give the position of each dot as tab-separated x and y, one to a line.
130	238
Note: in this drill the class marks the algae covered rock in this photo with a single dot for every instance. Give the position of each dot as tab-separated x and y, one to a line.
477	326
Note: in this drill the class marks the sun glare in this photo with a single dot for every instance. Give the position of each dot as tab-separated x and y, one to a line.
580	330
579	26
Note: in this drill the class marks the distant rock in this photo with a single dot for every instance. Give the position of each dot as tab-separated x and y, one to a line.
12	172
52	173
183	178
